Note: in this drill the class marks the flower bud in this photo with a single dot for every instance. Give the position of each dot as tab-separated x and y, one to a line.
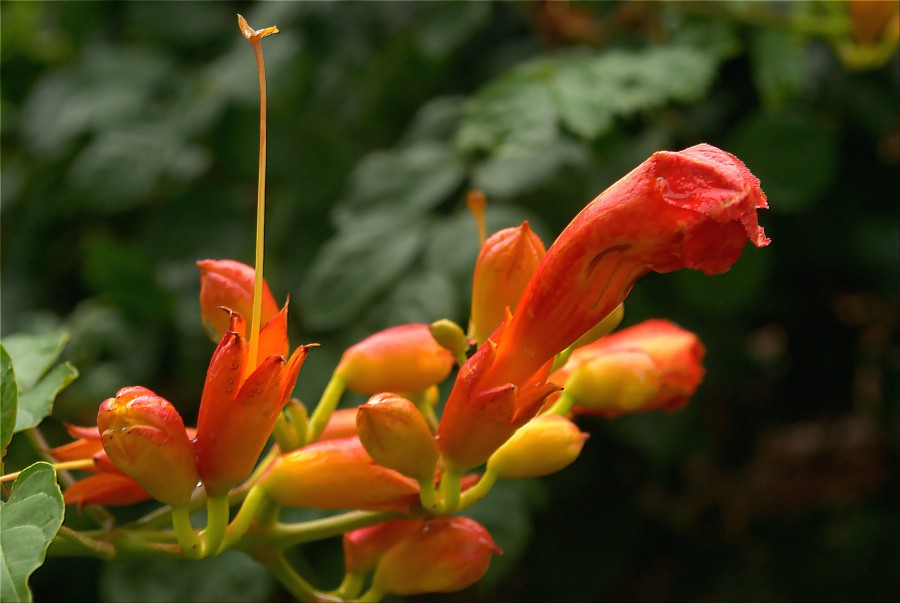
145	438
337	474
365	546
544	445
445	555
505	264
653	365
395	434
229	284
399	359
616	383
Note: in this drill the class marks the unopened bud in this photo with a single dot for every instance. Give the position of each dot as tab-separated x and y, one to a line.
399	359
544	445
396	436
145	438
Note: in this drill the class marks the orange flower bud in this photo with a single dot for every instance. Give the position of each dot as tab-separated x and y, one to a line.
395	434
341	424
544	445
505	264
229	284
145	438
365	546
653	365
445	555
337	474
399	359
237	413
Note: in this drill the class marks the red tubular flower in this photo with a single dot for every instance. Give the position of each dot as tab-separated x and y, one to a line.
337	474
690	209
240	403
445	555
229	284
144	437
399	359
661	355
365	546
507	260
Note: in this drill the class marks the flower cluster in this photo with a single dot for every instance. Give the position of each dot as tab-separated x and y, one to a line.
538	353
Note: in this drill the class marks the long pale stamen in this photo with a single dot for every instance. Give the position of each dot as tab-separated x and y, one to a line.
255	38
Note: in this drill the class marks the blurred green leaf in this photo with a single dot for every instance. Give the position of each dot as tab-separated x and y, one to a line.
779	66
352	268
794	156
30	519
9	400
229	577
402	183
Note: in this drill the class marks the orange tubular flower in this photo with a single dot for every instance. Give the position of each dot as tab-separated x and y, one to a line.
506	261
365	546
399	359
445	555
229	284
240	403
337	474
690	209
144	437
651	366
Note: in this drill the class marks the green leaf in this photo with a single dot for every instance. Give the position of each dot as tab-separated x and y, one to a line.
354	267
780	68
9	399
37	402
590	92
30	519
34	354
405	182
227	577
513	115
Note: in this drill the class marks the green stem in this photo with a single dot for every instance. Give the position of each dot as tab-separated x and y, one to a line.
329	401
285	535
254	505
373	595
478	491
350	587
292	581
451	481
562	406
218	510
187	537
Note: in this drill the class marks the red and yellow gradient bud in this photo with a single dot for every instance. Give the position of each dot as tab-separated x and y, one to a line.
363	548
444	555
544	445
239	407
144	437
341	424
505	264
337	474
395	435
229	284
651	366
405	358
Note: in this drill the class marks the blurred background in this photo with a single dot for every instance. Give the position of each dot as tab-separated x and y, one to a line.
129	150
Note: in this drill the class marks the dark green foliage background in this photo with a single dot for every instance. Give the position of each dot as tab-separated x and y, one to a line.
129	134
